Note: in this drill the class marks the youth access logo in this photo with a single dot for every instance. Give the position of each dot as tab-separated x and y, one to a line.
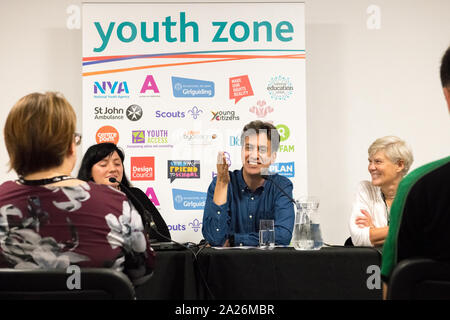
192	88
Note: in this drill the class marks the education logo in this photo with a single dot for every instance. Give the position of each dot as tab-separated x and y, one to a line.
188	200
142	168
107	134
261	109
280	88
134	112
192	88
183	169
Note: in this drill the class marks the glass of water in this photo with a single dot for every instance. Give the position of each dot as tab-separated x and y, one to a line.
266	234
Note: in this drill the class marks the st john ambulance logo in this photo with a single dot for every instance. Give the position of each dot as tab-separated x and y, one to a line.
134	112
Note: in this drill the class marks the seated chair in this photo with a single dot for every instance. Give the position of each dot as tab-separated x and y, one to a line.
43	284
420	279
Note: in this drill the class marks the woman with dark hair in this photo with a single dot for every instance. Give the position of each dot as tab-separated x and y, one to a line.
104	161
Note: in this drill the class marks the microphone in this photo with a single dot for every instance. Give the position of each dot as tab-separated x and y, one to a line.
147	216
267	177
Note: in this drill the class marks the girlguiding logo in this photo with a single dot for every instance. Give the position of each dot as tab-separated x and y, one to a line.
280	88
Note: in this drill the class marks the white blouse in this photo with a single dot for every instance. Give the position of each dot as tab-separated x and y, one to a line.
369	198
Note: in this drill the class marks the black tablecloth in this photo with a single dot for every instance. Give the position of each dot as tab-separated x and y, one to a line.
279	274
285	273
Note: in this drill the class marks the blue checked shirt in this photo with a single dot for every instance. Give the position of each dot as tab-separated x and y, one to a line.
240	215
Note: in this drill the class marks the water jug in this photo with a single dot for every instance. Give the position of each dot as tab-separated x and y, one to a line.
307	234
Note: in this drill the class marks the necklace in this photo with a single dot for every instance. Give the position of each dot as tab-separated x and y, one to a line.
45	181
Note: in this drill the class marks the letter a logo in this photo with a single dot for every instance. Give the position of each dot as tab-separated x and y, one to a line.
149	84
74	281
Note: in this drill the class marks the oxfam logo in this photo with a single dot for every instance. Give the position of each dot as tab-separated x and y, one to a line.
284	132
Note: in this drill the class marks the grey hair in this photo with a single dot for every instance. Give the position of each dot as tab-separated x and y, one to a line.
395	149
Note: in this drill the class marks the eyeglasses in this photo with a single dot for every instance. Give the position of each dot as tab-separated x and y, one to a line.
77	138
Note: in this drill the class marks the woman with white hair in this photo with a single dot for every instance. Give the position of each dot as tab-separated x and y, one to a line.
389	161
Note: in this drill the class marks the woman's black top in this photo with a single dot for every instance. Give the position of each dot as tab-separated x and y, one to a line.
159	221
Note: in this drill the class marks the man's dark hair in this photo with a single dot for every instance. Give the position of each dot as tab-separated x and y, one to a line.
97	153
257	127
445	69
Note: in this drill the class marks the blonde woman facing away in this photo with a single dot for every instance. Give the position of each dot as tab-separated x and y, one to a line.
389	161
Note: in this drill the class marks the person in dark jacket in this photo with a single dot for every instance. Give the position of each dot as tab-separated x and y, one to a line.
104	161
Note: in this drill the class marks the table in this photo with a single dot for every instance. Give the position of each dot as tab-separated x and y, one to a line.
281	274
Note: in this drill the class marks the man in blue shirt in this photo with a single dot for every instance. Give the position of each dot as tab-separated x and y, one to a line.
237	200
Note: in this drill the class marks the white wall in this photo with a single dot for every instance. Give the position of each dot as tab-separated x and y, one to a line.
362	83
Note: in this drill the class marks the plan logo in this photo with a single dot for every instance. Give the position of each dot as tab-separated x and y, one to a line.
286	169
134	112
192	88
111	89
142	168
107	134
149	88
280	88
183	169
188	200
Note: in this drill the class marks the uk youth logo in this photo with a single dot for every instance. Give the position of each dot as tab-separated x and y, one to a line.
192	88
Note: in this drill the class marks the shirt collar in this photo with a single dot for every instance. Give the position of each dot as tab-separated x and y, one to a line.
243	185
